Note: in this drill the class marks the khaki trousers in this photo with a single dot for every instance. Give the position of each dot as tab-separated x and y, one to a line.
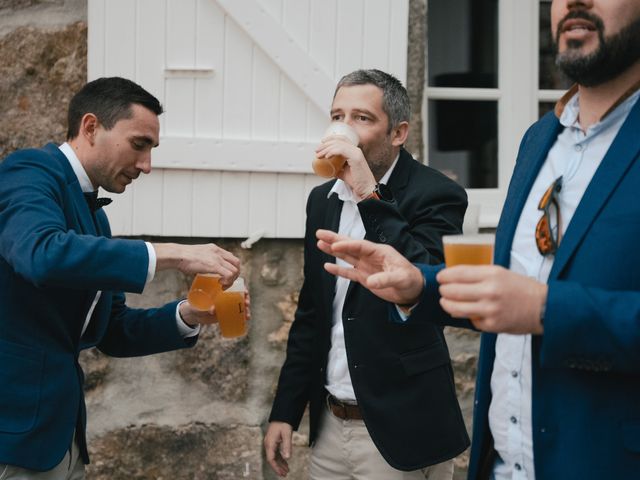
344	451
70	468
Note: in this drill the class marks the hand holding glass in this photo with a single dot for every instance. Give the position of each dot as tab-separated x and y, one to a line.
330	167
207	292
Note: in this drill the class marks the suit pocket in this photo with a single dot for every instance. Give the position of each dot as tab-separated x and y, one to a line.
21	377
631	436
425	359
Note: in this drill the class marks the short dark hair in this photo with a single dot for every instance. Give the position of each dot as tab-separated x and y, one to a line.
110	100
395	99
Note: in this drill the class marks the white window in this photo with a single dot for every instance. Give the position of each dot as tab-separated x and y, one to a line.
490	74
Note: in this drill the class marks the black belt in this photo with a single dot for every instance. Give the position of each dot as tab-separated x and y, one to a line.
342	410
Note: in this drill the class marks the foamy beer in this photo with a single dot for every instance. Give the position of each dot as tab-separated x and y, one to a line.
231	310
330	167
203	291
476	249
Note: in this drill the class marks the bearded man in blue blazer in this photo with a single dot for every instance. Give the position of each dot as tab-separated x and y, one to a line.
558	387
62	276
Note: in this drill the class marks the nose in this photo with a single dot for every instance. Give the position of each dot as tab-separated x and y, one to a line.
579	4
144	163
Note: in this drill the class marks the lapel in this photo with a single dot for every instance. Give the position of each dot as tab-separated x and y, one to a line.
532	155
331	221
621	155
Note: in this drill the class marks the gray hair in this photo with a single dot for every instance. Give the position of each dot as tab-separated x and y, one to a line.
395	99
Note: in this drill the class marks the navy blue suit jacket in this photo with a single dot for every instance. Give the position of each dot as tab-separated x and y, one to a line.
54	256
586	366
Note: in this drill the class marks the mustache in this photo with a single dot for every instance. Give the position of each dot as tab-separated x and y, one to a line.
584	15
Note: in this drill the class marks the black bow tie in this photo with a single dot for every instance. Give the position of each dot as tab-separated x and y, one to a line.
94	202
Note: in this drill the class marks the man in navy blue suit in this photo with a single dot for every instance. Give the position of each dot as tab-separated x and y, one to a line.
62	276
558	387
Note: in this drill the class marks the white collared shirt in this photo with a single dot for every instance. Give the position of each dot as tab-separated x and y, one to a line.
576	156
86	186
338	377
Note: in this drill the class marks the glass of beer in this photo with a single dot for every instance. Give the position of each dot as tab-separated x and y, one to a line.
231	310
476	249
204	289
330	167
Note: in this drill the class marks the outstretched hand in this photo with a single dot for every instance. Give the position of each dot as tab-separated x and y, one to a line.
380	268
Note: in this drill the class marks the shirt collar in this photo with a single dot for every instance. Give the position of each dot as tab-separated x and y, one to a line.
571	109
78	169
571	97
344	192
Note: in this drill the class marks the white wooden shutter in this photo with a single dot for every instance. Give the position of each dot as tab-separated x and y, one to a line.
247	87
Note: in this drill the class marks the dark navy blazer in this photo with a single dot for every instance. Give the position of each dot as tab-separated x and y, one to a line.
586	366
55	254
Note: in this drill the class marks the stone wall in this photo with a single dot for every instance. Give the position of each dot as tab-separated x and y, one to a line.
198	413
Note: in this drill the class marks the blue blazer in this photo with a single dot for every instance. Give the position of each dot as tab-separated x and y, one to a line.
586	366
55	254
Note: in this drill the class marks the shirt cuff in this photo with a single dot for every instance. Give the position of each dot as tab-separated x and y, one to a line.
151	272
185	330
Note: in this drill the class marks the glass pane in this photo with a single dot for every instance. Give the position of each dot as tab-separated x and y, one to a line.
462	43
544	107
550	76
463	141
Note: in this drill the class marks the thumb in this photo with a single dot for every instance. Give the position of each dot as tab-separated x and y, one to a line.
285	446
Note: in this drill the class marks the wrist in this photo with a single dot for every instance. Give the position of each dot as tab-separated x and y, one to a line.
182	313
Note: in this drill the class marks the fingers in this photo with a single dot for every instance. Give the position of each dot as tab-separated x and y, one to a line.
277	445
247	304
467	273
345	272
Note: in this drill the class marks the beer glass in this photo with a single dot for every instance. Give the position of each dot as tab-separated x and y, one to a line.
231	310
330	167
203	291
476	249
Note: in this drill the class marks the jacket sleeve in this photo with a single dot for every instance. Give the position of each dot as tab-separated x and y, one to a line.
428	308
295	380
434	207
133	332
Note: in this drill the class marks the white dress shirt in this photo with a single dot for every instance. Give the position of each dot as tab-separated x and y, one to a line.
576	156
338	377
86	186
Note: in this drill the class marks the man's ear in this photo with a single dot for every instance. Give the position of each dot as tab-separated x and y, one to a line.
88	127
399	134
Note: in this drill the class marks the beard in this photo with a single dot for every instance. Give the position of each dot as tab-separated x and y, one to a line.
614	55
379	157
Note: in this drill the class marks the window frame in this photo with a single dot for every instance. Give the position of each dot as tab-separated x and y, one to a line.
517	93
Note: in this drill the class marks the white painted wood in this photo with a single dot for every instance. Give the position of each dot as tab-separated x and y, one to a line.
147	203
96	44
349	36
290	206
246	86
237	99
206	203
266	31
150	40
399	31
177	203
179	105
234	155
120	38
265	114
263	194
375	51
234	204
209	53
